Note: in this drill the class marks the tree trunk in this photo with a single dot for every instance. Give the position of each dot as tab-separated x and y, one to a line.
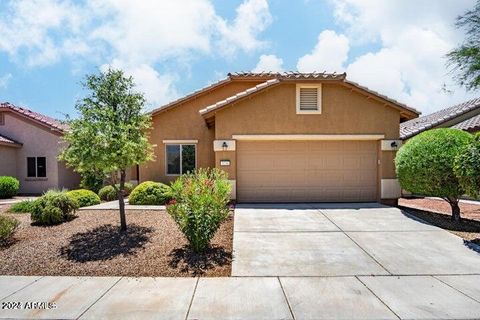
455	209
121	201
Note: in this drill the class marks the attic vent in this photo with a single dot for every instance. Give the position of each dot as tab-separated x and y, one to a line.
308	99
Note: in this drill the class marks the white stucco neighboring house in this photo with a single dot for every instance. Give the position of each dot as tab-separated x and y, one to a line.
29	145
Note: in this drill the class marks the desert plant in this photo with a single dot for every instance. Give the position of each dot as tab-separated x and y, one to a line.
467	167
110	193
149	193
199	205
8	187
8	225
53	207
25	206
425	164
84	197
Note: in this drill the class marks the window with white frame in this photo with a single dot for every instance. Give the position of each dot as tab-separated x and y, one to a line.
180	158
309	98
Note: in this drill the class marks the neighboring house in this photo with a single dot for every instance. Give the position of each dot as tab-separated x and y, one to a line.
465	116
29	145
286	137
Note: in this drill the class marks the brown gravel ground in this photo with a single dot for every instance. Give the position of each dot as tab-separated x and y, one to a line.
91	245
437	212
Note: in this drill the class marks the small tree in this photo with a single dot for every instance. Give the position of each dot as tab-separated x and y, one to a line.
467	167
425	164
110	134
465	59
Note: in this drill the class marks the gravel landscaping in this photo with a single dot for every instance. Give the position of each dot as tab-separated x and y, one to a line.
91	245
437	212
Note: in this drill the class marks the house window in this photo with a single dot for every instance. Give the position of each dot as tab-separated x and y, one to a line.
180	158
36	167
309	99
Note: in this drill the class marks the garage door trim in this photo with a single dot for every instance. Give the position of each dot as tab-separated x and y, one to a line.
303	137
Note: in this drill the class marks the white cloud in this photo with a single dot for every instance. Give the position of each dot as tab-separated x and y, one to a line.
4	80
413	39
253	17
269	63
329	54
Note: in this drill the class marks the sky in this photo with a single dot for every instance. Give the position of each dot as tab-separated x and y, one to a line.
171	48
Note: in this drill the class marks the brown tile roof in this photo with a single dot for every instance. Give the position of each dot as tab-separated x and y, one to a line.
240	95
47	121
273	78
4	140
413	127
472	124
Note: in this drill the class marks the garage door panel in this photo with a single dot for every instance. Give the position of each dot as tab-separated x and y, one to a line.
292	171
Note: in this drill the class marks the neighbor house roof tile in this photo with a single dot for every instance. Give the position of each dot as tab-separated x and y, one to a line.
8	141
52	123
470	124
413	127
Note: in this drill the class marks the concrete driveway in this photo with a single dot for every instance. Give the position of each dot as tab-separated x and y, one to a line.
343	240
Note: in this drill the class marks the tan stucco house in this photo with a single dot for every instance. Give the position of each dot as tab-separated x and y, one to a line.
29	145
284	137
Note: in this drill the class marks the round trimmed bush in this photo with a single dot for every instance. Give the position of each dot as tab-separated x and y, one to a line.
8	225
53	207
108	193
467	167
9	187
425	165
84	197
149	193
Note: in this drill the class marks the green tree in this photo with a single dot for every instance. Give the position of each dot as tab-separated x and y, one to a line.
467	167
465	59
110	134
425	165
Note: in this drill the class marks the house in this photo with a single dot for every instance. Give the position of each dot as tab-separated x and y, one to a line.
284	137
29	145
465	116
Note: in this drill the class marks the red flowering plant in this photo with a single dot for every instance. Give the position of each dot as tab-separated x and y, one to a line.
200	205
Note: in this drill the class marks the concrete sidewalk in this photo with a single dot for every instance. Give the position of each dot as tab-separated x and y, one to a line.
366	297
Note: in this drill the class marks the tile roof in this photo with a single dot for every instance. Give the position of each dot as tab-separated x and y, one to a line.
52	123
470	124
413	127
240	95
290	75
7	141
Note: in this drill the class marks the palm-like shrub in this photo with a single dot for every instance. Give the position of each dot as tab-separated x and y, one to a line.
425	165
84	197
149	193
467	167
53	207
8	226
199	205
8	187
109	193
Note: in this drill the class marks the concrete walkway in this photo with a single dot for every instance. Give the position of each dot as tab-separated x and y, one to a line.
113	205
365	297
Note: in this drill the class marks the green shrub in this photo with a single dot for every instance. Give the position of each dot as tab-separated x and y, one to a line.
53	207
91	181
8	187
8	225
84	197
149	193
199	205
25	206
467	167
108	193
425	164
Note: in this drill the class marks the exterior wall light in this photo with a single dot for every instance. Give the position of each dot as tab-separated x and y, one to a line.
394	144
224	146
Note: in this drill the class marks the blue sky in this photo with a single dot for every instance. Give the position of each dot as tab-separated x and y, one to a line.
174	47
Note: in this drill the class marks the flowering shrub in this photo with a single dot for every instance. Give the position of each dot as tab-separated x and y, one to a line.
199	205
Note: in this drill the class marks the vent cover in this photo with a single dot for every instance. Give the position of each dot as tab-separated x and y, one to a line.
308	99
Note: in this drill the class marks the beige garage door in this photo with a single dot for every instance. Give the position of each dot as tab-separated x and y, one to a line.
296	171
